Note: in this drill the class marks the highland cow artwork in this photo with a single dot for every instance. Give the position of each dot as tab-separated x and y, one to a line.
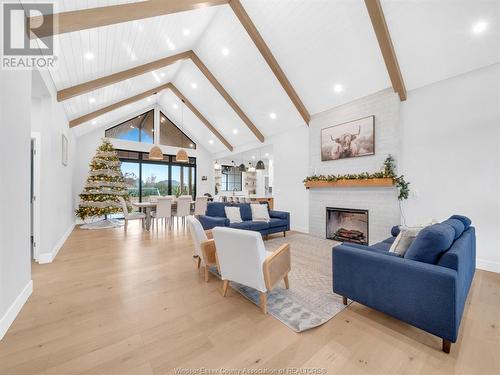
348	140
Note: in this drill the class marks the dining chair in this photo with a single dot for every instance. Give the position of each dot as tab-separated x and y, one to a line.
131	215
204	247
242	258
163	211
200	206
153	198
183	208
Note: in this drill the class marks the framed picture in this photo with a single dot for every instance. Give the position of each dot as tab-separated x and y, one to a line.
348	140
64	155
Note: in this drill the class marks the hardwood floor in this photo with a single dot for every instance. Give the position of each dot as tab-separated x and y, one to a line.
116	303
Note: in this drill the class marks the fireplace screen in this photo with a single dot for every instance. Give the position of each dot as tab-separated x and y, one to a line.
347	225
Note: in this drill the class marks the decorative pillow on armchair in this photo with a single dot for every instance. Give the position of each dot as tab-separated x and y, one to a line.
260	212
404	239
233	214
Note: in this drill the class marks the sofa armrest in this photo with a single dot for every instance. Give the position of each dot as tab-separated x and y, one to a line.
279	214
421	294
209	222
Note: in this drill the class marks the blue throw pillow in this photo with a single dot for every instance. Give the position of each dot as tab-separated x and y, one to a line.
457	225
464	219
395	230
216	209
431	242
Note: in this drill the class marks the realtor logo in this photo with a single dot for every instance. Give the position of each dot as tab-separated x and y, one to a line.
28	40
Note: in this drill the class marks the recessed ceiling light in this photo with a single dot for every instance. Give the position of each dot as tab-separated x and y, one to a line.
94	122
235	131
186	32
175	106
267	154
194	85
162	74
253	157
133	57
92	100
479	27
89	56
148	99
211	141
225	51
272	115
338	88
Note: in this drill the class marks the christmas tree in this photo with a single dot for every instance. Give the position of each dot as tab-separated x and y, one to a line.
105	185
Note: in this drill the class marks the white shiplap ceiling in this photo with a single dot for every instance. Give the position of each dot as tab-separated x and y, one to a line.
318	44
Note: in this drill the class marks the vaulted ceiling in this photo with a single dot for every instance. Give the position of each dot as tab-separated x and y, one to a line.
327	49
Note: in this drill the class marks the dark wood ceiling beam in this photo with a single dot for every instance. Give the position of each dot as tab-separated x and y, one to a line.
200	116
266	53
84	19
386	47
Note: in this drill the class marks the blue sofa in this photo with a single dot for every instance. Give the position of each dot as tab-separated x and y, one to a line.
216	217
426	288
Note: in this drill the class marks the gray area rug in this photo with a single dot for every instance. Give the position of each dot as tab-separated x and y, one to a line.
310	301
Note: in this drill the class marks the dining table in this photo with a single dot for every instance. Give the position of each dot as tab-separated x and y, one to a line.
147	207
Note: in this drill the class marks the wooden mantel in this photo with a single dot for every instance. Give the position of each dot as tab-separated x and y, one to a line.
372	182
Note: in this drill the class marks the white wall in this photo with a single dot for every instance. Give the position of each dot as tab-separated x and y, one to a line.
290	167
15	266
56	193
87	144
451	155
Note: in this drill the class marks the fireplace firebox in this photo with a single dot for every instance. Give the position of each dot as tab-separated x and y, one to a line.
347	225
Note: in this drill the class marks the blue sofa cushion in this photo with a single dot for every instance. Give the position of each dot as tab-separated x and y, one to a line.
464	219
257	225
245	211
242	225
274	223
431	242
216	209
457	225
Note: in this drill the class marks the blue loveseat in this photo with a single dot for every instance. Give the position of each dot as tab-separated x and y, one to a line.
216	217
426	288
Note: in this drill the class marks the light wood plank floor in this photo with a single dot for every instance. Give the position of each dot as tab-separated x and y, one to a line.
115	303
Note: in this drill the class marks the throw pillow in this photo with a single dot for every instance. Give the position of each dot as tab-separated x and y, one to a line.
260	212
233	214
404	239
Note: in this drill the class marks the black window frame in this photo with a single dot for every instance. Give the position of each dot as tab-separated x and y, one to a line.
239	173
173	123
168	160
140	133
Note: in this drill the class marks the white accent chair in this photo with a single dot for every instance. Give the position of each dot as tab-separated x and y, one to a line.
163	211
242	258
131	215
153	198
200	206
204	247
183	208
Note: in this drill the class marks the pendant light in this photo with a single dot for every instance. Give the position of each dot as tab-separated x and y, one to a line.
155	153
182	156
260	164
242	168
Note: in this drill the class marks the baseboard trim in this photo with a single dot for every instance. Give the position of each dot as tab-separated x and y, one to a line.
488	265
49	257
299	229
14	309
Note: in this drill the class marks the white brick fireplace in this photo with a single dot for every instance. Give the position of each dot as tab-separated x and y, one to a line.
381	202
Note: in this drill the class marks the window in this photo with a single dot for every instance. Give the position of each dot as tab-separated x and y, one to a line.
138	129
145	177
171	135
231	178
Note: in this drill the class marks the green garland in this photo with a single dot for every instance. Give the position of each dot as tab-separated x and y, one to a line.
389	171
